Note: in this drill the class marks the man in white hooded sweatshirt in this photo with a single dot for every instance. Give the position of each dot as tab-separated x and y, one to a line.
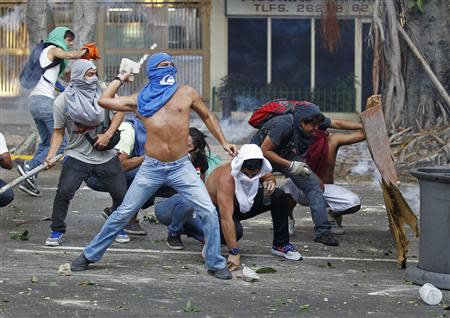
244	188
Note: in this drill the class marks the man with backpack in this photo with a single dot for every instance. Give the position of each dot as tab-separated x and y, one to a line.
89	151
286	131
47	61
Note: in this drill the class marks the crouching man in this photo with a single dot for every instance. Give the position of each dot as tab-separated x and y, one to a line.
235	189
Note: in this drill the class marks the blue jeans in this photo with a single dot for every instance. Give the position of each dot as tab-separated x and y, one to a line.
310	186
41	109
7	197
177	214
153	174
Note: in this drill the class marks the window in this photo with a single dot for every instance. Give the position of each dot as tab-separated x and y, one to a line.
247	51
291	53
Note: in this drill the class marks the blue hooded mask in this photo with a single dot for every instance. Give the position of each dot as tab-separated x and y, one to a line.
161	85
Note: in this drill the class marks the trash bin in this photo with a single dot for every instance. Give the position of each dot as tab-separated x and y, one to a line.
434	242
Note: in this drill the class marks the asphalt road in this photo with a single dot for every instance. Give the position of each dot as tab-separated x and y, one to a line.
145	279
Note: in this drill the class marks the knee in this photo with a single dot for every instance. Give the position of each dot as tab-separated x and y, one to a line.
65	193
184	206
278	194
6	198
355	201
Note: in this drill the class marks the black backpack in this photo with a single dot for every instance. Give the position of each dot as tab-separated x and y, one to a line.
32	71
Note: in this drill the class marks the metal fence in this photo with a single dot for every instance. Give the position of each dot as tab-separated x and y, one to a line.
247	99
129	29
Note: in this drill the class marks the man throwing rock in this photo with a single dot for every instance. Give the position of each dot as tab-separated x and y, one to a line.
164	108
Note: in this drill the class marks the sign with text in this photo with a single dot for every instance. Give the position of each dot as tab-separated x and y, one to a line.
300	8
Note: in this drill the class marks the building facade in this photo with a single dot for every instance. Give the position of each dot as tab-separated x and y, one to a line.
236	53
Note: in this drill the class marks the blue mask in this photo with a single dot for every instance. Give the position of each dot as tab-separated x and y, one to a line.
161	86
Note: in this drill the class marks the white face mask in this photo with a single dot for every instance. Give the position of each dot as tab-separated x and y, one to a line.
244	178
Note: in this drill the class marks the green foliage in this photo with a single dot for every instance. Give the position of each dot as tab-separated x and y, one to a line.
416	5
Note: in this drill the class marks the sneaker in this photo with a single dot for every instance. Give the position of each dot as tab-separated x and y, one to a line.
80	263
135	228
30	187
122	237
336	223
55	239
291	226
327	239
174	242
223	273
106	212
287	251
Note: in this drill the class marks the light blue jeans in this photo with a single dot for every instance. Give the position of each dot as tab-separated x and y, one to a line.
153	174
178	215
41	109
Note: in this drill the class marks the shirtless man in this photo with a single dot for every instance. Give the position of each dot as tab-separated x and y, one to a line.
164	109
235	188
321	158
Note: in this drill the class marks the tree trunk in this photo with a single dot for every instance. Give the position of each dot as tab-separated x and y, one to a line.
430	33
39	21
84	23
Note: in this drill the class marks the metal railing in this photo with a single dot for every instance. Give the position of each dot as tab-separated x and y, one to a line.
247	99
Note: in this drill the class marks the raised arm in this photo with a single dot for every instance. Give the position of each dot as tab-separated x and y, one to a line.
225	201
59	53
120	103
345	124
211	122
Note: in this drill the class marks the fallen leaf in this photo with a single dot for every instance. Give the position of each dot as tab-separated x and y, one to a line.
20	236
34	279
265	270
304	307
191	308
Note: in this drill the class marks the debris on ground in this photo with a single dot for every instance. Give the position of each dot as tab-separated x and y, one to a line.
20	236
64	270
426	147
265	270
249	275
191	308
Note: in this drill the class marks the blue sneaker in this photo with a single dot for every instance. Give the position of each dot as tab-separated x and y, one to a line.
122	237
287	251
55	239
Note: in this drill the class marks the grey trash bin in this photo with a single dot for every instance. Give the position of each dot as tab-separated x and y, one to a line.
434	242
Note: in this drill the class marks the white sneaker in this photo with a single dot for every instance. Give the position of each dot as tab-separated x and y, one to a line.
336	224
291	226
55	239
122	237
288	251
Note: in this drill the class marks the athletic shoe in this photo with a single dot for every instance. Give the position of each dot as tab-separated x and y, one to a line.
135	228
122	237
336	223
106	212
291	226
287	251
30	188
80	263
174	242
55	239
223	273
327	239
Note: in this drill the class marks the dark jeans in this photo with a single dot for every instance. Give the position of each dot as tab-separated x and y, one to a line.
73	173
7	197
310	186
278	210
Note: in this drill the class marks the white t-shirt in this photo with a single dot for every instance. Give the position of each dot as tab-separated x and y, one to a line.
126	143
44	88
3	147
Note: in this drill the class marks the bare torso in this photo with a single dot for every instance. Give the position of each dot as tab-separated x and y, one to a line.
220	178
168	129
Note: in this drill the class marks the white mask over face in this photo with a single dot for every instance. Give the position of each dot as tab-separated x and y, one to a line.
245	188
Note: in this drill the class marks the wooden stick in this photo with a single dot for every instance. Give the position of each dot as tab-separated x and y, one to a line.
425	65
